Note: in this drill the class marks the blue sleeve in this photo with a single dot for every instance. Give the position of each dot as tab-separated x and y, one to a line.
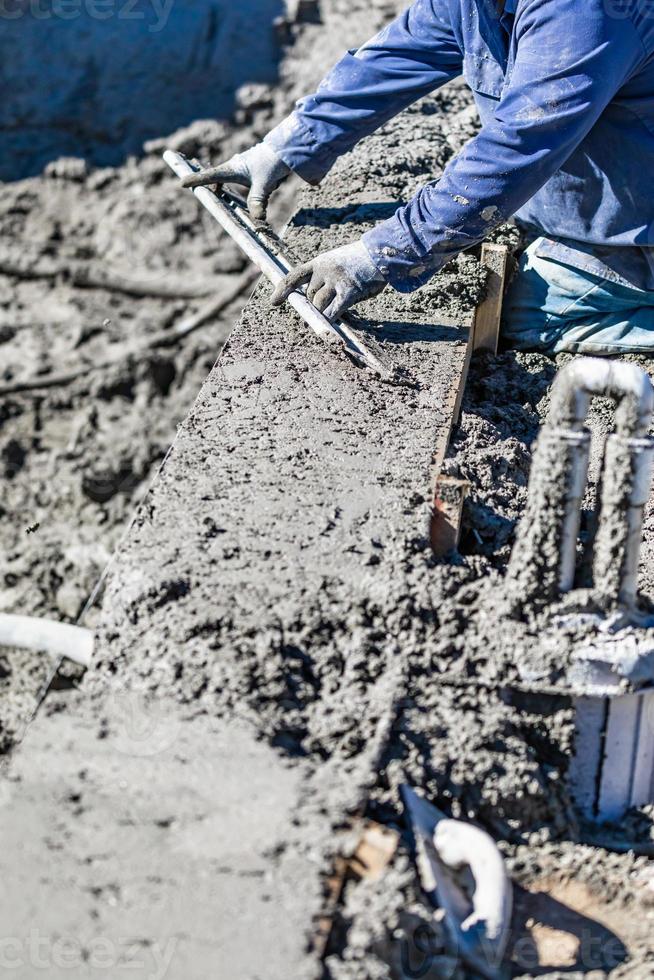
571	59
415	54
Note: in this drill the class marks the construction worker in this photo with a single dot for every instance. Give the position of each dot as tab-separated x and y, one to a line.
565	92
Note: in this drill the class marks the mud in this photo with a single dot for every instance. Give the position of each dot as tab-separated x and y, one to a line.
117	76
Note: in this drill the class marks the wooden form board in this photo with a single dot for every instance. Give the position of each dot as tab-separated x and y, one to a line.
489	312
445	530
450	493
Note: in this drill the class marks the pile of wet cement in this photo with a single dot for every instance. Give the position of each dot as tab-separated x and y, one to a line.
468	735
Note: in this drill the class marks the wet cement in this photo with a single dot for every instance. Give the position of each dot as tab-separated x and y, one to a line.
265	583
133	841
77	457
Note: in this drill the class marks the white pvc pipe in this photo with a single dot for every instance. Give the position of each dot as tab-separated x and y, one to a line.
642	454
587	377
46	636
641	458
577	444
479	924
461	845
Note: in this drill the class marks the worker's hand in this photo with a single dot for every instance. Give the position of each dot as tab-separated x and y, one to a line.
259	168
337	280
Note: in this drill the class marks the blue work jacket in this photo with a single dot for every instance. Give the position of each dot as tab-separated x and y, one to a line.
565	92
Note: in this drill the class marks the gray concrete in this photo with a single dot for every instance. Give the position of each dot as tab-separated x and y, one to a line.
132	842
260	606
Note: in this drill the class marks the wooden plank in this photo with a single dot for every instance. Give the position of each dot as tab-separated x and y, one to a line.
485	330
484	335
375	851
445	530
489	312
461	379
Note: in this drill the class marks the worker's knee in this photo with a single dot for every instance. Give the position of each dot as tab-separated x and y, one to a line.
553	307
534	304
630	331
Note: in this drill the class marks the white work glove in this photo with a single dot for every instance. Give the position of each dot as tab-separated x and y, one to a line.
259	168
337	280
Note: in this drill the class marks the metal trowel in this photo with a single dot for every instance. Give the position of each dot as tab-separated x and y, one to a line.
265	249
462	872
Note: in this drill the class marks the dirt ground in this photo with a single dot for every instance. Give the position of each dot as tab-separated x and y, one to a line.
105	383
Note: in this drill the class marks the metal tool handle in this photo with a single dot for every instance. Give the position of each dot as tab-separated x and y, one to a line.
236	221
272	266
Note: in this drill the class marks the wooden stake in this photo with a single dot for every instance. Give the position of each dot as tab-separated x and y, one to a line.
445	530
375	850
489	312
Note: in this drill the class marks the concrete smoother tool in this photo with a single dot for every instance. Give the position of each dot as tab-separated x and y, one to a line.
263	248
462	872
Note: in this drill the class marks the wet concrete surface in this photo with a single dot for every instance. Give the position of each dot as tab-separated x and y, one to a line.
253	584
128	843
103	380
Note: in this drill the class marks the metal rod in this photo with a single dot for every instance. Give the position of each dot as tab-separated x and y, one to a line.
235	220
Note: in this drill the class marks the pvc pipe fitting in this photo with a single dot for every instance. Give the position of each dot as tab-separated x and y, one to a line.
543	563
585	378
45	636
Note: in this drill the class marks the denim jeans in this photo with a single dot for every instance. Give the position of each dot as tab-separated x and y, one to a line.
551	307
